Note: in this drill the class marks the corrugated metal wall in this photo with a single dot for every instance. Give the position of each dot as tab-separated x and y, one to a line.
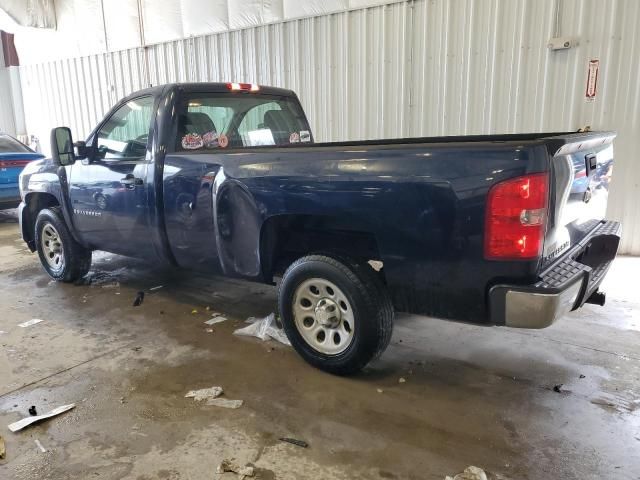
416	68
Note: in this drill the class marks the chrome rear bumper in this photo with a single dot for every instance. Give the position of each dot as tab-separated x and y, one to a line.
564	286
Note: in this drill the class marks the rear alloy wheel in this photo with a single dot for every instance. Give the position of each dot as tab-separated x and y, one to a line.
62	257
336	312
323	316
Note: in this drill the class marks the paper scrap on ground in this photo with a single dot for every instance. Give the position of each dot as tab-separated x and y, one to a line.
264	329
204	393
153	289
28	323
229	466
25	422
224	403
216	319
40	446
470	473
2	332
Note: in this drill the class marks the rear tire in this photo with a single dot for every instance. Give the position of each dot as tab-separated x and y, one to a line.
63	258
336	312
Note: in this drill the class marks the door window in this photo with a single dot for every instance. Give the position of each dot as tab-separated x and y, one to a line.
124	136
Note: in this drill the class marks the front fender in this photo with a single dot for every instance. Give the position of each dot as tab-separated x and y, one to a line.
25	231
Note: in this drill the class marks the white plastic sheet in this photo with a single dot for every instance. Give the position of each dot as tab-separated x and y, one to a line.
204	17
121	24
310	8
86	27
31	13
251	13
162	20
264	329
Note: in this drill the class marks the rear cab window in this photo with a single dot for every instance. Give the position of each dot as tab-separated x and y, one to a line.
214	121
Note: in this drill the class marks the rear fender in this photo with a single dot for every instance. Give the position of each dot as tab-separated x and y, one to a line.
238	221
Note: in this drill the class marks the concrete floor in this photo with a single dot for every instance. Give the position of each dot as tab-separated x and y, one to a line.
473	395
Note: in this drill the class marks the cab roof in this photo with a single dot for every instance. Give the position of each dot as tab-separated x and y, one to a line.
215	87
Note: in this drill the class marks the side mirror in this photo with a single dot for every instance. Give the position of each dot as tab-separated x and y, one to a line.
62	146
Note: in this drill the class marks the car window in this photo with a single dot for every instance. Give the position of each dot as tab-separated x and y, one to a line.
124	135
218	120
9	144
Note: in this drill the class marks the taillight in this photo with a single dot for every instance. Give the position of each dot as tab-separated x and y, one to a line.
249	87
516	218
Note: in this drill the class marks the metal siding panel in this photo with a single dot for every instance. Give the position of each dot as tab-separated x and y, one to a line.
413	68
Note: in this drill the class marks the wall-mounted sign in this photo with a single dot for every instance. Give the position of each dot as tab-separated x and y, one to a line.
592	80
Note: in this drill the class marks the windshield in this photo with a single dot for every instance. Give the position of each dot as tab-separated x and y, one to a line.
11	145
219	120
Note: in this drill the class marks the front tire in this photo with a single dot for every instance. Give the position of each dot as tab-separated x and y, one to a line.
336	312
63	258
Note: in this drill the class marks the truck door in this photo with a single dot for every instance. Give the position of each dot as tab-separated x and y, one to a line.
108	191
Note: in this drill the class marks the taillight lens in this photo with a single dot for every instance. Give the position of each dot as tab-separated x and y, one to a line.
516	218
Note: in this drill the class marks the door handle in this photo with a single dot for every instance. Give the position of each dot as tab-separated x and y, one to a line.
130	181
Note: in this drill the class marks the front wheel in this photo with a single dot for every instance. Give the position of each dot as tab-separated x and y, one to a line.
336	312
62	257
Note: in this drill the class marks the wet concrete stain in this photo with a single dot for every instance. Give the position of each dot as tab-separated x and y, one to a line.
473	395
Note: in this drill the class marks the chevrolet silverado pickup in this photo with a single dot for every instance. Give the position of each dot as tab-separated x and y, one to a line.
503	230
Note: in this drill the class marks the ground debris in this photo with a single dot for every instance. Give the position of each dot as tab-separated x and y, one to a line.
205	393
264	329
295	441
25	422
582	376
139	299
225	403
558	388
402	380
32	410
3	449
28	323
40	446
470	473
229	466
216	318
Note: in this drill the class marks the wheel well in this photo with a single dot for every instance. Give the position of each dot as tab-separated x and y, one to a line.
285	238
34	203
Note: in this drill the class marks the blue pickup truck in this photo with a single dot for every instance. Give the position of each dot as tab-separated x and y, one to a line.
504	230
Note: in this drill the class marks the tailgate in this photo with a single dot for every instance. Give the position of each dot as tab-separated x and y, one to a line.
581	168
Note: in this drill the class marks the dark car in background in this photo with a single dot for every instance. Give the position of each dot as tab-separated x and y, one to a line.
14	156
